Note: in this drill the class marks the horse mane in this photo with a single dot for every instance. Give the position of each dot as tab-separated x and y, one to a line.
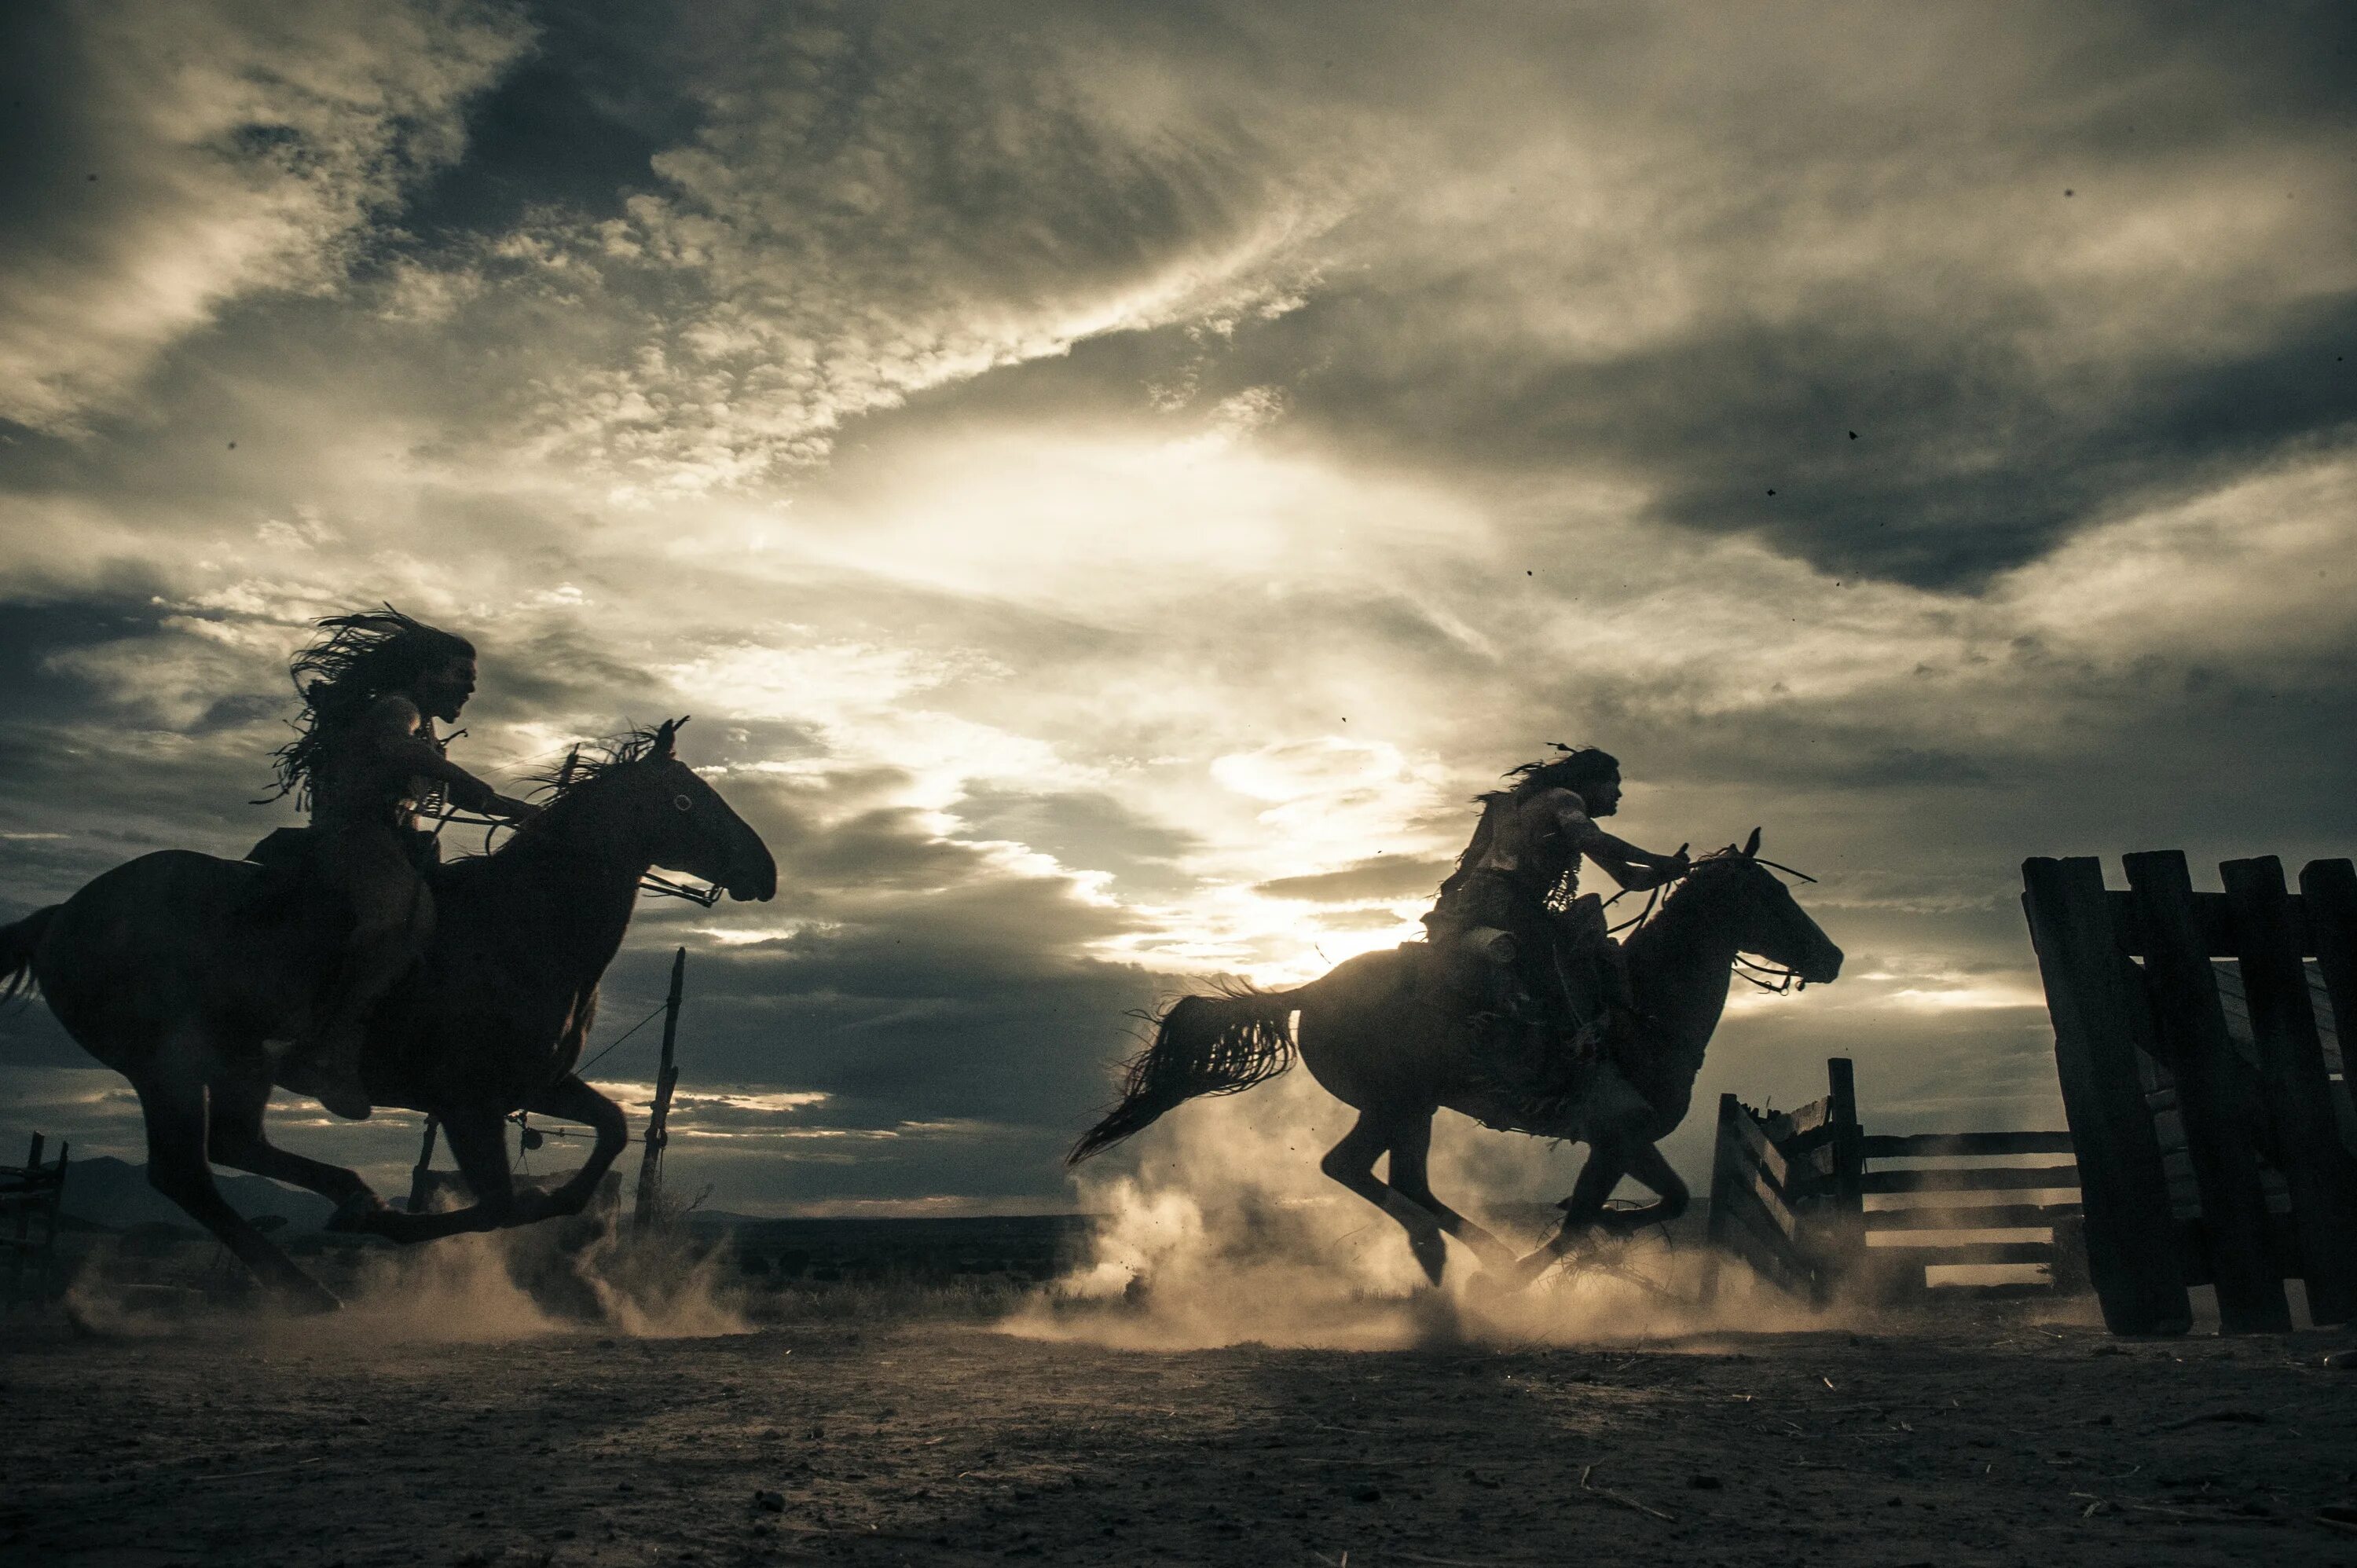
592	759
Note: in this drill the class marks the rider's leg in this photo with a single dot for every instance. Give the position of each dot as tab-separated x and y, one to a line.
1411	1183
393	920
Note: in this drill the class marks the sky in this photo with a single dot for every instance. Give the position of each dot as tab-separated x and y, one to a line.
1112	481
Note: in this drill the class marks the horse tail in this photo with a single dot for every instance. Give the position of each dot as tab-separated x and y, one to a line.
1202	1045
19	943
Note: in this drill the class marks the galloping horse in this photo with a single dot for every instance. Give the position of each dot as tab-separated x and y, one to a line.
1385	1040
169	970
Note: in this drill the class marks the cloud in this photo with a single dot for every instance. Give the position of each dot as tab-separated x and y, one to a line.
166	171
1111	490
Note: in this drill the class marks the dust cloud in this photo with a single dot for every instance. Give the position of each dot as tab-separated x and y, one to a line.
1224	1231
589	1276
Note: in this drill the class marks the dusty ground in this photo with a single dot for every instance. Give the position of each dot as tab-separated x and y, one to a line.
1995	1441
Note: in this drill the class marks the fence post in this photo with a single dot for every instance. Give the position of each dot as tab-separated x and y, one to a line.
1714	1232
2093	997
1846	1148
2322	1177
2215	1096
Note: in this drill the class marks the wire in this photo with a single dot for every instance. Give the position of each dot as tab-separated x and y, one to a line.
617	1039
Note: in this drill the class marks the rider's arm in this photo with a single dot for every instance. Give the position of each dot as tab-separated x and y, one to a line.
397	726
1623	862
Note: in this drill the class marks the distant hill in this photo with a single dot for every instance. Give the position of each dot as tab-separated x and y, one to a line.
115	1193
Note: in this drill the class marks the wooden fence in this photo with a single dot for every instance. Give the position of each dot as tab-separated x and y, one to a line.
30	1196
1813	1202
2196	1037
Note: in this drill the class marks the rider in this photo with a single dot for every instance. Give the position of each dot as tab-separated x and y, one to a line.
1540	959
367	759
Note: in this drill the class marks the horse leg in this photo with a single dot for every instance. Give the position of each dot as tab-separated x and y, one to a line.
571	1100
479	1142
1351	1162
238	1142
173	1103
1410	1183
1607	1164
1644	1162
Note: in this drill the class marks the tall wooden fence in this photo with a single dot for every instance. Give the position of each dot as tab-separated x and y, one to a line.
1814	1202
2197	1040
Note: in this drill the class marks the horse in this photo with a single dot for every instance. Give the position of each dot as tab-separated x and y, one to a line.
1385	1035
183	973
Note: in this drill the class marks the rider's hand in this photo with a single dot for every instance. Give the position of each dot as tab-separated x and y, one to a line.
1670	867
513	810
471	794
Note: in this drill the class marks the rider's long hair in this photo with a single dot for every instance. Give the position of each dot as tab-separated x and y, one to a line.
363	657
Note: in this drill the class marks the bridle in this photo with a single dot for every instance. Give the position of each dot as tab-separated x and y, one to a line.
650	883
1778	979
1782	979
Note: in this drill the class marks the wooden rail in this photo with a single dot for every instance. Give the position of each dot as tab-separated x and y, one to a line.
1789	1195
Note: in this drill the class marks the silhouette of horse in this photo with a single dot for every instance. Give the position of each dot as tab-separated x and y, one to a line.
1386	1040
172	970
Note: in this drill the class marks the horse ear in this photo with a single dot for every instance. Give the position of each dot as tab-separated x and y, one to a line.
1752	844
666	733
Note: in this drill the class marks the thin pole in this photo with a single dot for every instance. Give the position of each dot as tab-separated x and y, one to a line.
421	1172
666	1078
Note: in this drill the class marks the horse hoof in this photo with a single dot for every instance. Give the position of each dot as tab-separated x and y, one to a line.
1431	1255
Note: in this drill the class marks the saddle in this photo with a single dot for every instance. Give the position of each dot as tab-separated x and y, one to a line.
289	889
1538	1050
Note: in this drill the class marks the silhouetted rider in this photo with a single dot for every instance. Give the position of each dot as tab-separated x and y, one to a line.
368	758
1539	953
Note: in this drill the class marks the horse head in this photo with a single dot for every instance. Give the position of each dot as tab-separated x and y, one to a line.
1760	912
676	819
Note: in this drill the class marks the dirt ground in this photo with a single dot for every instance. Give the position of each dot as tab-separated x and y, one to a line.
1993	1440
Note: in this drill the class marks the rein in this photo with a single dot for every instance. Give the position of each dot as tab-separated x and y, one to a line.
1780	980
650	883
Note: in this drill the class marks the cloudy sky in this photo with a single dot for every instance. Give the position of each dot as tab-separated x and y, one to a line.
1110	480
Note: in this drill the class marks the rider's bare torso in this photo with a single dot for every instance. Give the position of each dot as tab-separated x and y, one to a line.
366	779
1536	840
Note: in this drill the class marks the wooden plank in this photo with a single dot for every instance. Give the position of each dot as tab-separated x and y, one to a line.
2320	1174
2213	924
2217	1096
1748	1137
1984	1178
2091	995
1809	1118
1929	1145
1748	1214
1754	1181
1969	1216
1766	1260
2330	889
1966	1253
1764	1223
1729	1161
